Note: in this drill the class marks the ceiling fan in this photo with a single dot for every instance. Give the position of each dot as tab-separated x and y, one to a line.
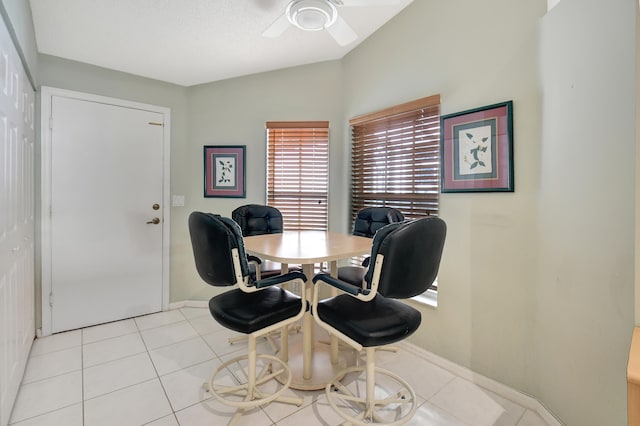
317	15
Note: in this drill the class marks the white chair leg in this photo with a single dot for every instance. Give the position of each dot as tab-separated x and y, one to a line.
285	332
237	339
284	344
247	392
345	397
337	345
369	410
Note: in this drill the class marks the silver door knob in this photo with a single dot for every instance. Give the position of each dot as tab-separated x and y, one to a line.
154	221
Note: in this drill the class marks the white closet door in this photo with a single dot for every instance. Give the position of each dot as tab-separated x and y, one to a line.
17	327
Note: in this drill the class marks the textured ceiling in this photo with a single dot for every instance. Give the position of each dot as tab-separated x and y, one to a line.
189	42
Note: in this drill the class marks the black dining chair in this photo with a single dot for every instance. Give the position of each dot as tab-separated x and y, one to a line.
405	261
254	308
258	219
367	222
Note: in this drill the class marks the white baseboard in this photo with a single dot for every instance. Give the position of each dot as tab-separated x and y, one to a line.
189	304
498	388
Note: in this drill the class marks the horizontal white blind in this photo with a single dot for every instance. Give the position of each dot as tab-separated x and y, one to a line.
298	173
396	158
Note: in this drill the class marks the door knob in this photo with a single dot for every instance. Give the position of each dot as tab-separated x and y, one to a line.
155	221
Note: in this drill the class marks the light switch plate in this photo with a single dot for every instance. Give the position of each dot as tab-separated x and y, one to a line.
177	201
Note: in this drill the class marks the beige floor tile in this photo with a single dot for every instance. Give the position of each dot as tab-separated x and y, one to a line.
47	395
132	406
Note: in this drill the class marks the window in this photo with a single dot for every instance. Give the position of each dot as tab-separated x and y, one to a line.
298	172
395	161
396	158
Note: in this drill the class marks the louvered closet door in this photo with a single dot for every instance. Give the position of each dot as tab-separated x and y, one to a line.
16	222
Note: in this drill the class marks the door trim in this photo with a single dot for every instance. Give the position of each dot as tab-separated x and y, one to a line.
47	94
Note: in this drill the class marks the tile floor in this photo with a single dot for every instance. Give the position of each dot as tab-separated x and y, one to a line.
149	371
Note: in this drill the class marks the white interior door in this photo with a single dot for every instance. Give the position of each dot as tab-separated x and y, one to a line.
106	258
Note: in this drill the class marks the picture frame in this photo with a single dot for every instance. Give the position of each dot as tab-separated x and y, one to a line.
224	171
476	150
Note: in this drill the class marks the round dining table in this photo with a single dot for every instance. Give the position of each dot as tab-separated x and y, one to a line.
316	363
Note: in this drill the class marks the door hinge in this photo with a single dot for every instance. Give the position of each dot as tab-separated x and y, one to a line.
51	123
51	299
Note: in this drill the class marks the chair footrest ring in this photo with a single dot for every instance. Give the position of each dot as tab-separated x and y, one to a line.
231	385
394	401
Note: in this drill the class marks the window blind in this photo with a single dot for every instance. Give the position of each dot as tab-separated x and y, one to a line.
396	158
298	172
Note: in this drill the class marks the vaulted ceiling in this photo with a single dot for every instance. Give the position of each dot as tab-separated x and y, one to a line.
189	42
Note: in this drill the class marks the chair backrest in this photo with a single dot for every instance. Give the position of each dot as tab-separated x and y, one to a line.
412	251
213	238
370	219
256	219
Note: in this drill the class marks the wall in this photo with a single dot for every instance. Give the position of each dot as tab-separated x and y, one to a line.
234	112
231	112
17	15
227	112
536	287
637	195
472	59
584	310
65	74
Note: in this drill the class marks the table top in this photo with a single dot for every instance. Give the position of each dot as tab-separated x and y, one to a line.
306	247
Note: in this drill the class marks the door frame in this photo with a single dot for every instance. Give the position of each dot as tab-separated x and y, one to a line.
47	94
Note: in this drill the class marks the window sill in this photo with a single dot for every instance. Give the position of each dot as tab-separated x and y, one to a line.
428	298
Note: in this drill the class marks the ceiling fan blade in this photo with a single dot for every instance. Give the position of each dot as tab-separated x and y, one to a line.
277	27
267	5
369	2
342	32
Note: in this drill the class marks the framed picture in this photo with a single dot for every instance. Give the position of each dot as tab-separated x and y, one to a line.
224	171
476	149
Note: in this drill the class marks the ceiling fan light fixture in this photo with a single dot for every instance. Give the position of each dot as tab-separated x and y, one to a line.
311	15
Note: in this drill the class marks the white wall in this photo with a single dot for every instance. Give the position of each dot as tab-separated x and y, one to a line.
19	21
536	287
230	112
65	74
234	112
475	58
637	195
584	298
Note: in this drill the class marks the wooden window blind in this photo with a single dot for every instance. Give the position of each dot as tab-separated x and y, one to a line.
396	158
298	172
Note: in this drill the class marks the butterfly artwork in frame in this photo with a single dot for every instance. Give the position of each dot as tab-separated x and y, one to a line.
224	171
476	150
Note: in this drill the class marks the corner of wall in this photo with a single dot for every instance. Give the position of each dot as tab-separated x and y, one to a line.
637	215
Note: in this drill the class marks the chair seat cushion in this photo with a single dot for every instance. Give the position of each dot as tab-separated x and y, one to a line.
352	274
249	312
379	322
